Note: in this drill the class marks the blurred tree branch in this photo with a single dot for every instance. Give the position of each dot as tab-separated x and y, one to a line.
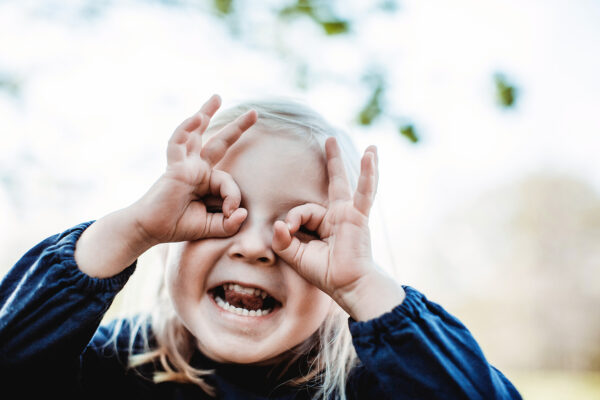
506	92
320	13
324	14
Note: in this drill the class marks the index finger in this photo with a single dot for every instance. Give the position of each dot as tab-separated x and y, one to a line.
217	146
209	109
339	187
202	117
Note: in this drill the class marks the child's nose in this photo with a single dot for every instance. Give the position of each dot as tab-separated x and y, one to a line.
253	245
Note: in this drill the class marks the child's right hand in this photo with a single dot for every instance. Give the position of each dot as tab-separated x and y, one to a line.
173	209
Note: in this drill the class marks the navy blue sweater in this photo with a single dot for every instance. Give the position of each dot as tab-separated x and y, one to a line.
51	342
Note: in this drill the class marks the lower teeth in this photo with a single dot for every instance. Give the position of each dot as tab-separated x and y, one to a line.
241	311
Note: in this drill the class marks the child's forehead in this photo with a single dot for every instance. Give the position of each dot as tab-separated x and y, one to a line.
283	169
268	145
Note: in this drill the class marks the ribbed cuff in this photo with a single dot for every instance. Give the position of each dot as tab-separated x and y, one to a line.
410	309
64	250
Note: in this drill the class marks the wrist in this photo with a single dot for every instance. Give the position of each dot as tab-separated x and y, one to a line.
137	235
370	296
110	245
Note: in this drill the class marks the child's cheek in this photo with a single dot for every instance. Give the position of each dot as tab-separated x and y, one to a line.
316	302
188	265
309	306
315	311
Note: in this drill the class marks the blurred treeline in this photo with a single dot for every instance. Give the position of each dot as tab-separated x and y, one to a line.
525	259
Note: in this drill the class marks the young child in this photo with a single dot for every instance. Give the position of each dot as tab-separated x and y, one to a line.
272	288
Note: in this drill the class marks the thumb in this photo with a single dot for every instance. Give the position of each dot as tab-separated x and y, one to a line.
217	225
285	245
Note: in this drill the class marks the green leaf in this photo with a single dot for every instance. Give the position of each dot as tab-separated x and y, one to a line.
319	13
223	6
505	92
334	27
409	132
301	7
372	109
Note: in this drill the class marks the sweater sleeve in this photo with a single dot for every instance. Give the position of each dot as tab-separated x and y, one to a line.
50	309
418	351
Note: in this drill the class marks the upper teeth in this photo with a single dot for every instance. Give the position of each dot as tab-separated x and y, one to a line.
246	290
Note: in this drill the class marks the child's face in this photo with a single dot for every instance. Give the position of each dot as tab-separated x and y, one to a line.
274	173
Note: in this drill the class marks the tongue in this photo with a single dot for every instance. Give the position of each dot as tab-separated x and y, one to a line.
242	300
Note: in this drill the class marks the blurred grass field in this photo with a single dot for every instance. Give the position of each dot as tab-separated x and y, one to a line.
556	385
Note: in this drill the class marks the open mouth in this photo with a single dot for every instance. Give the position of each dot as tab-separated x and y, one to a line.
244	300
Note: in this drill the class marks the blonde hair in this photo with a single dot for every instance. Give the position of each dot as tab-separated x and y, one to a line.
332	354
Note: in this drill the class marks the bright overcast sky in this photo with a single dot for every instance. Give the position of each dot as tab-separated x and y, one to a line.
100	98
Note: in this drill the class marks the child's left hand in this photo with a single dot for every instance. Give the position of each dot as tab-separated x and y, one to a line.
340	263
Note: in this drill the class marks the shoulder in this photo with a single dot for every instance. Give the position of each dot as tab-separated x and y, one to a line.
122	337
362	384
106	363
414	312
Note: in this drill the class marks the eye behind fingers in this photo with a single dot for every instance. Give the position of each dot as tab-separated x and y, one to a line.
213	204
214	209
306	235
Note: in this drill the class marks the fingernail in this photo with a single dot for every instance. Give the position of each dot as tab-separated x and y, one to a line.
289	226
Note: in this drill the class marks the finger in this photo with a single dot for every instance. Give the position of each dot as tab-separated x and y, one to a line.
282	237
287	247
309	215
194	139
218	225
197	120
339	188
217	146
206	112
215	224
367	182
175	150
222	184
210	107
181	133
374	149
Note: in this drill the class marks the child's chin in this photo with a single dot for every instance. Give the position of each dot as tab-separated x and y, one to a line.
225	355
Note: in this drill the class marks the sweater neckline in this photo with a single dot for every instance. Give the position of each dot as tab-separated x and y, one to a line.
266	380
